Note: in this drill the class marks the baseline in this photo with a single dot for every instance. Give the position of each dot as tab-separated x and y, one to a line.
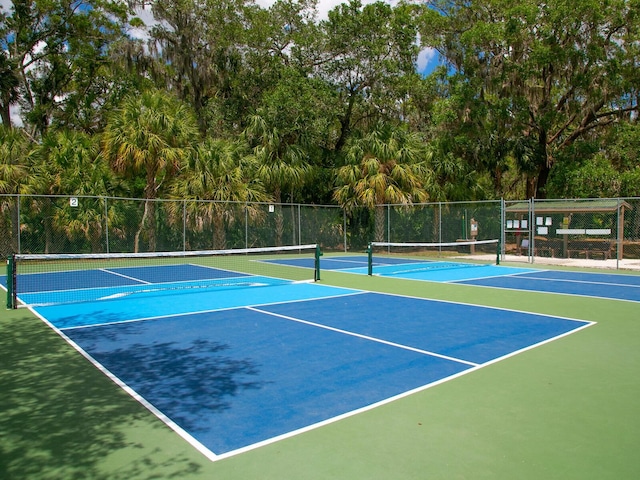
619	287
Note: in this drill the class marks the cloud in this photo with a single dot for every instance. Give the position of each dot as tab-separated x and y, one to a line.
323	7
427	60
144	14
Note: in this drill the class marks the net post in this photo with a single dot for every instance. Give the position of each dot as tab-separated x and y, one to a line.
318	254
369	260
498	253
11	282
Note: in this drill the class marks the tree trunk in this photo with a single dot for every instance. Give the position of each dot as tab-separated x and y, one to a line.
219	233
543	176
279	218
148	222
148	225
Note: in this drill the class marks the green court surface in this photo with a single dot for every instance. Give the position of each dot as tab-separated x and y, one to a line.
568	409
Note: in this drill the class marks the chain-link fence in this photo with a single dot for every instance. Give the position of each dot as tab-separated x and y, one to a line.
60	224
586	228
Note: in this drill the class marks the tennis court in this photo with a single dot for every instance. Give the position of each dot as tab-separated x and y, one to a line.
232	360
587	284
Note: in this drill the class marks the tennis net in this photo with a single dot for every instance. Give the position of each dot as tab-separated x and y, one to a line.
51	279
388	258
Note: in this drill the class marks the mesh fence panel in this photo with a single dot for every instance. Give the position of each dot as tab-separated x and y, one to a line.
420	223
9	225
271	225
632	227
444	222
62	224
586	228
206	225
324	225
124	217
360	228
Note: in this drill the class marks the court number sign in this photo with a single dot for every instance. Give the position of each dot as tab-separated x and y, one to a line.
73	202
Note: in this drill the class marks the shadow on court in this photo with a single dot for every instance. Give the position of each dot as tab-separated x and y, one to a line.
61	418
185	381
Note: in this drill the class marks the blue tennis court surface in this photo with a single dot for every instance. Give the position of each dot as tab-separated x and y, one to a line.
234	367
601	285
619	287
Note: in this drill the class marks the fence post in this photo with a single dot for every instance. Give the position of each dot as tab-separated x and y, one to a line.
620	236
299	225
10	282
246	225
388	222
532	227
503	223
318	254
106	224
439	227
18	226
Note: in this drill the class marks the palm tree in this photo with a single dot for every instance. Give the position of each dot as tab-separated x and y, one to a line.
384	166
219	175
14	146
68	163
152	135
282	162
14	174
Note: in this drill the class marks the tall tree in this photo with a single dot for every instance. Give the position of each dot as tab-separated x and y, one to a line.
14	148
559	70
52	51
151	135
282	162
366	53
287	134
199	45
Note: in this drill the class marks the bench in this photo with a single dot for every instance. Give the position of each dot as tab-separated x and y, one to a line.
544	248
588	248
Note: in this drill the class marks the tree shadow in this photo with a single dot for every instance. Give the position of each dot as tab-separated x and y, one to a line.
60	417
187	381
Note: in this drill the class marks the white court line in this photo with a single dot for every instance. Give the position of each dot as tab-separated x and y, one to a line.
211	310
547	292
395	397
366	337
130	391
343	260
128	277
588	282
210	455
497	275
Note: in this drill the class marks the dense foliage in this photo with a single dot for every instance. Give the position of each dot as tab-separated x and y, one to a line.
227	100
